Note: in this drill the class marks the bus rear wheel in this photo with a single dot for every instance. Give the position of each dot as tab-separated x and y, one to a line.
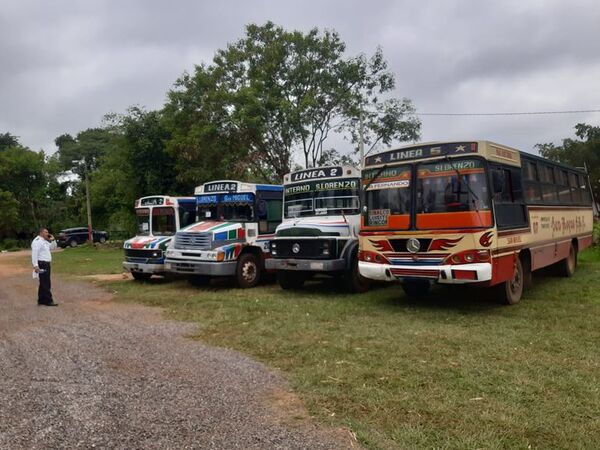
416	288
290	279
566	267
510	291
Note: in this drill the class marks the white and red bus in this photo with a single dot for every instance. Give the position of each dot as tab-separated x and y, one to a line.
472	212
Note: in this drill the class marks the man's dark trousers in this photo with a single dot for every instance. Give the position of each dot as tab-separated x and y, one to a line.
44	292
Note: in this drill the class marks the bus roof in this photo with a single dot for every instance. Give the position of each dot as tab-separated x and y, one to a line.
427	150
230	186
162	200
321	173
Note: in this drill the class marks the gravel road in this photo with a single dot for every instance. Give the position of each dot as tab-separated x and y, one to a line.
95	373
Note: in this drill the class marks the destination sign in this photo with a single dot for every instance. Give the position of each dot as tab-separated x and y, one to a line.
152	201
235	198
314	174
425	151
314	186
206	199
221	187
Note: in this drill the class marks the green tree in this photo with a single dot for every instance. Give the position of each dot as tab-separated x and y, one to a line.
583	151
22	174
205	143
9	216
7	140
275	92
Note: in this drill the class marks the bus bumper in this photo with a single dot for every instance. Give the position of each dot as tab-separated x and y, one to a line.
190	267
447	274
306	265
143	267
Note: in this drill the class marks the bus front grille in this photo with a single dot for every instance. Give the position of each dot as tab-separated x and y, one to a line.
196	241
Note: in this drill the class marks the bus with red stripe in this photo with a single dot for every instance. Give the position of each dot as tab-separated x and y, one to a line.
470	212
158	219
231	237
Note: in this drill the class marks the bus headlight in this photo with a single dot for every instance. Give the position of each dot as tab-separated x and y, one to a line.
273	248
325	249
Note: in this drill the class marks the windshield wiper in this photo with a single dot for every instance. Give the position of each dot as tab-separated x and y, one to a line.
375	177
458	174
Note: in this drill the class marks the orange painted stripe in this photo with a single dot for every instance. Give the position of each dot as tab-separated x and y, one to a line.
454	219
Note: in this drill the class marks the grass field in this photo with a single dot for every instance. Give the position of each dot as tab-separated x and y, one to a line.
455	370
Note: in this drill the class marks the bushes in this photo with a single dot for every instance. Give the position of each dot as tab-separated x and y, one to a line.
597	233
14	244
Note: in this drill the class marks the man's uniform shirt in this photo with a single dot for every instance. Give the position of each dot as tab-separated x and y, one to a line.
40	250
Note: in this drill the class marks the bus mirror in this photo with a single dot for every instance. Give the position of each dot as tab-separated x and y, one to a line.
497	181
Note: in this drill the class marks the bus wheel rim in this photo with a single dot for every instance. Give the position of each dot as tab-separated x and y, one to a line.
515	283
249	271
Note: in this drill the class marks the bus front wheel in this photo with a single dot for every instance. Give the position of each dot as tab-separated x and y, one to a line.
510	291
248	271
353	280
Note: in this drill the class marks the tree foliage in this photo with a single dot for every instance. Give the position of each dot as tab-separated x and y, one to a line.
583	151
264	103
276	92
7	140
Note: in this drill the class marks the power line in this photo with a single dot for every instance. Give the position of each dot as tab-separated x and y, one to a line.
530	113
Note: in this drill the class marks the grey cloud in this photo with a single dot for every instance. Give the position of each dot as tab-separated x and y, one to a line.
63	65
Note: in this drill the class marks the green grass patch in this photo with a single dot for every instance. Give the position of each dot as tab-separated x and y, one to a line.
88	260
455	370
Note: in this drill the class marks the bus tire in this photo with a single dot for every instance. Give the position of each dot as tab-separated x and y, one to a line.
200	280
248	271
141	276
290	279
510	291
566	267
416	288
354	282
527	273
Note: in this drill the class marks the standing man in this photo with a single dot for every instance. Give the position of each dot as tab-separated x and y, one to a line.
41	258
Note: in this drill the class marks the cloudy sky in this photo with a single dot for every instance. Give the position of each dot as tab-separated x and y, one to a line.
64	64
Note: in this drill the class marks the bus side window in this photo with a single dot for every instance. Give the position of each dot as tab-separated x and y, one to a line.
508	197
187	216
269	215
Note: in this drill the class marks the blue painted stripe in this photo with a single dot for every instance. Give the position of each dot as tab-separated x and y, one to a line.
222	236
269	187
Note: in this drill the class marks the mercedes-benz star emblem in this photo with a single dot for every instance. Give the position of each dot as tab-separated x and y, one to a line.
296	248
413	245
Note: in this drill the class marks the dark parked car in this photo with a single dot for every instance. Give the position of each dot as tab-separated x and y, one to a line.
72	237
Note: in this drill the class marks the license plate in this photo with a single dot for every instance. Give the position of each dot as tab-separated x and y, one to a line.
316	266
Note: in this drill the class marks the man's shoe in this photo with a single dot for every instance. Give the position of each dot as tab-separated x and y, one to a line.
51	304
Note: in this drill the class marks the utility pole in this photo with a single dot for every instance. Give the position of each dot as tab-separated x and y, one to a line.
361	143
87	202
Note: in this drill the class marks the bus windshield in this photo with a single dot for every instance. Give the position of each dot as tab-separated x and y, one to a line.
452	186
163	221
320	198
388	197
227	207
143	221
